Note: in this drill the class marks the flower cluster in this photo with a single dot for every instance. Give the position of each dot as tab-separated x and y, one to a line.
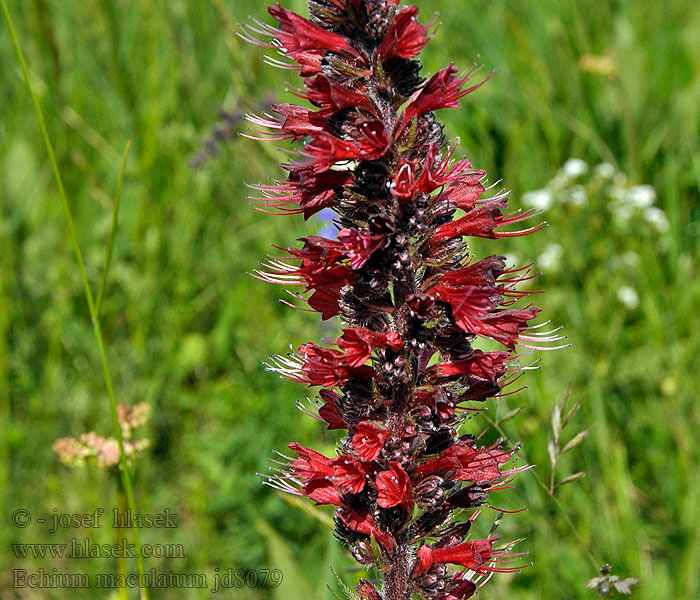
105	451
610	226
629	206
406	370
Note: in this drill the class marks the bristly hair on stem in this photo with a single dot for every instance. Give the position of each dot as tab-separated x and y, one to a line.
412	299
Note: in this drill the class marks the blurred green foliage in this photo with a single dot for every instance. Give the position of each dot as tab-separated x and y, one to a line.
610	81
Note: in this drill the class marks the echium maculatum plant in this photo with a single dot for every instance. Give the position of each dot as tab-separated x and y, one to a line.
413	301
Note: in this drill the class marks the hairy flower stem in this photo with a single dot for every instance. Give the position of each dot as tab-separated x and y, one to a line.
397	583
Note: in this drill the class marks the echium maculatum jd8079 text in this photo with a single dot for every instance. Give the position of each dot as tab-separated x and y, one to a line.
413	301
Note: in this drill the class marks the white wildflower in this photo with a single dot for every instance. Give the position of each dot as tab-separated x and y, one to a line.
539	199
605	170
622	213
657	217
550	257
628	297
577	196
574	167
641	196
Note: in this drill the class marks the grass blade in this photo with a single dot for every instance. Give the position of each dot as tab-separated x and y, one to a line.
112	230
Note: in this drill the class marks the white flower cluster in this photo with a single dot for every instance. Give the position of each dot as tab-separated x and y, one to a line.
599	201
624	202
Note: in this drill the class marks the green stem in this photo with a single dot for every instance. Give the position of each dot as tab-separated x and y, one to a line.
94	317
121	534
112	231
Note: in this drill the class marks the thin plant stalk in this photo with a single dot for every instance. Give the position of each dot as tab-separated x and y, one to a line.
112	230
120	535
549	490
94	316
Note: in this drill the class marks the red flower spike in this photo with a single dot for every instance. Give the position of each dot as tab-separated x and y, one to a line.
406	288
369	440
394	487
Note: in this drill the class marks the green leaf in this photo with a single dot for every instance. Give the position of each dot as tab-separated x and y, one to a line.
293	585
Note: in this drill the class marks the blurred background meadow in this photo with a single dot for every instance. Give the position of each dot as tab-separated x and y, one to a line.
594	117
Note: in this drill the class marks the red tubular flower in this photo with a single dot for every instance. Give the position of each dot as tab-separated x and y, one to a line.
360	246
329	411
394	487
359	342
310	465
467	463
487	366
481	222
470	555
333	97
465	190
368	440
297	34
410	296
362	523
348	474
327	367
369	142
406	37
443	90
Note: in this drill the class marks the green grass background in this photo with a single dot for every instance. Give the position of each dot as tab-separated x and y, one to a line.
187	329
